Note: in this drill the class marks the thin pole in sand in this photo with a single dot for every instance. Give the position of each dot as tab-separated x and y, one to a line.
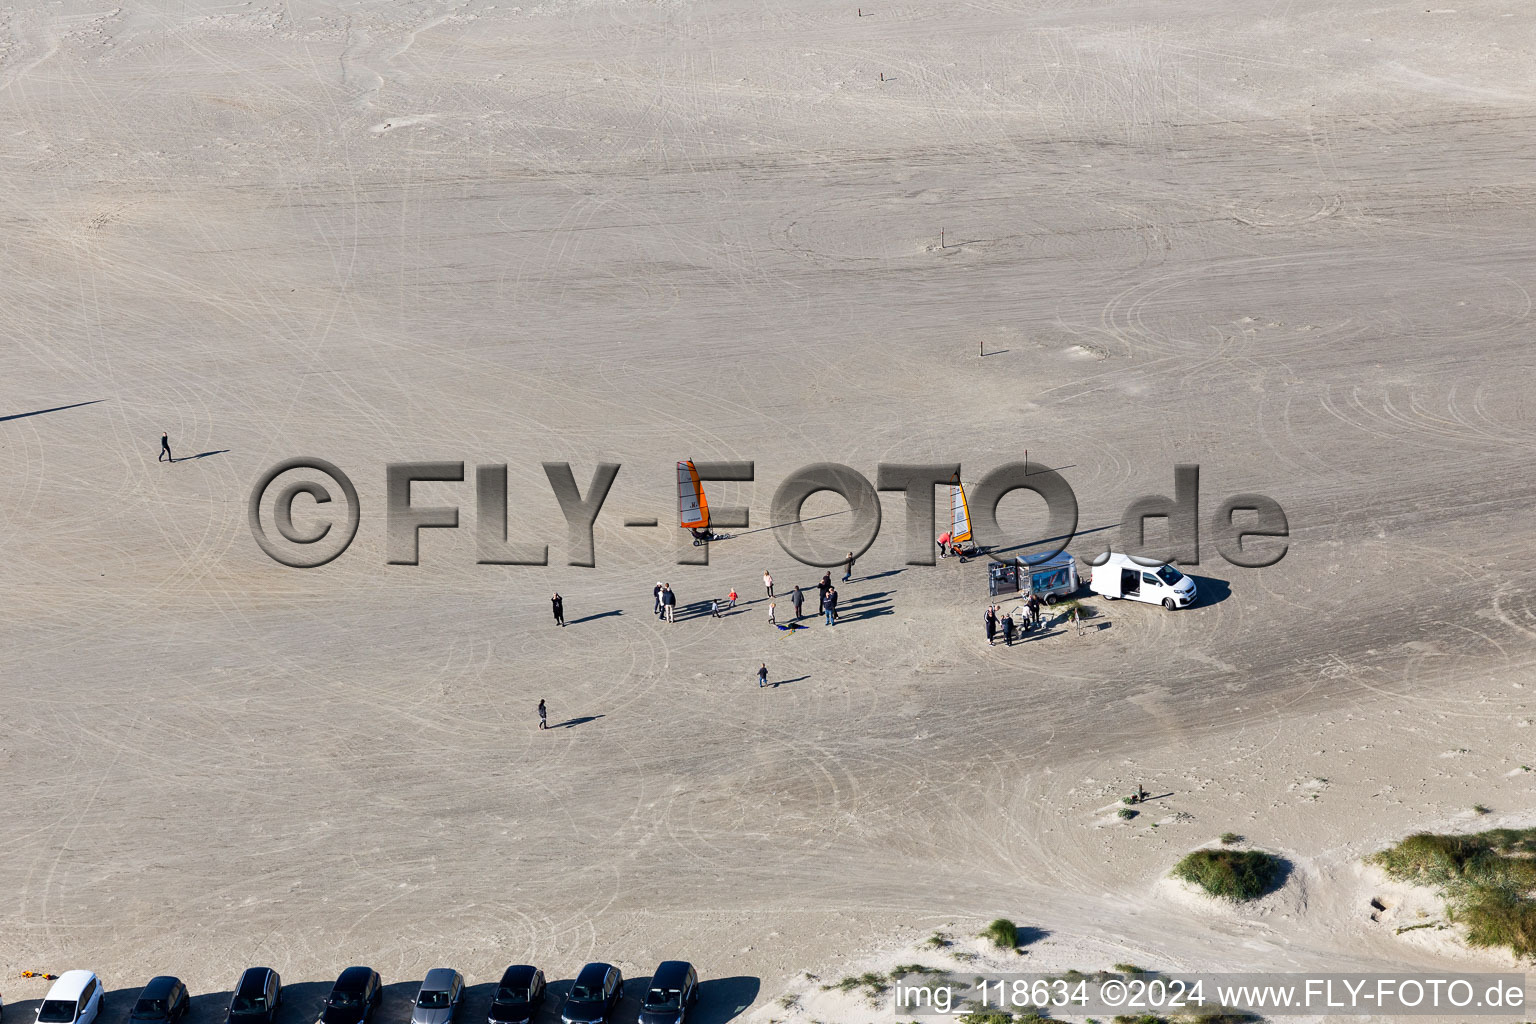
941	238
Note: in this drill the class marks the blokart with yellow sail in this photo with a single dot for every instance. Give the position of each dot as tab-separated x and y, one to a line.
960	541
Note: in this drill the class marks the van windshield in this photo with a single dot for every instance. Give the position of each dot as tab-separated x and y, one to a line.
1169	575
56	1011
663	999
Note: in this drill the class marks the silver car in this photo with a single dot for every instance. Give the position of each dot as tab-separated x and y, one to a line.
441	993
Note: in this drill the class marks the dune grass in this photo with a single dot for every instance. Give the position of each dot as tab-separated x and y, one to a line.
1003	933
1488	882
1235	875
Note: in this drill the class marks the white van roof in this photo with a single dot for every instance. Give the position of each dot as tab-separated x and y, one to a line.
70	985
1117	558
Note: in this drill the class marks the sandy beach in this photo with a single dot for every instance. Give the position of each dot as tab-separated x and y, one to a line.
1291	245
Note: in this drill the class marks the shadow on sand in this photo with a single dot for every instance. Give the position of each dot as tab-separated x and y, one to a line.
39	412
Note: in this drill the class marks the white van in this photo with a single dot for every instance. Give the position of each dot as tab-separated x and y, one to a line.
1123	576
74	999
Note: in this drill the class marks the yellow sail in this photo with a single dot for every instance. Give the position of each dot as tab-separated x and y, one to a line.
959	515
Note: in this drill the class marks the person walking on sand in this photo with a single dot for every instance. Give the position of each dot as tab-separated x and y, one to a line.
762	675
768	582
991	623
1033	604
731	597
543	715
824	586
832	606
798	600
773	614
559	605
944	545
669	603
1007	630
656	593
165	448
714	607
848	568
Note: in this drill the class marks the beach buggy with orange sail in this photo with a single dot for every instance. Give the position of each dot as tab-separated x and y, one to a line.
692	507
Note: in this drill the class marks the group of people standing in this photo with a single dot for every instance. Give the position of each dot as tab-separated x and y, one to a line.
827	600
666	601
997	621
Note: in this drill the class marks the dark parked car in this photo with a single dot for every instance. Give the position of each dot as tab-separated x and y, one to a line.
162	1001
256	998
518	996
354	997
594	995
438	1000
674	988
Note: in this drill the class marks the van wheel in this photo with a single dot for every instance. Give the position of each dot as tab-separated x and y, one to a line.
1168	603
1050	598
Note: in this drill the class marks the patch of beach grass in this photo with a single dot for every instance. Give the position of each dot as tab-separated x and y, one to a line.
1235	875
1002	933
1486	879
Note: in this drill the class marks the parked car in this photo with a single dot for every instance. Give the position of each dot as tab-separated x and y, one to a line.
595	994
439	997
674	988
256	998
74	999
163	1001
355	996
518	995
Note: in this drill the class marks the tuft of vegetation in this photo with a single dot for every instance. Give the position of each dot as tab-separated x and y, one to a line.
1235	875
1004	1017
1130	969
789	1001
1486	879
1480	809
872	982
1139	1018
938	941
1065	606
902	970
1230	839
1127	813
1415	927
987	1017
1002	933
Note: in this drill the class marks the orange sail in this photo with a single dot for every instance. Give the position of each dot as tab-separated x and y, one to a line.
692	509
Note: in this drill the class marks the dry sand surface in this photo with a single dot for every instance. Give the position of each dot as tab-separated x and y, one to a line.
1291	243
